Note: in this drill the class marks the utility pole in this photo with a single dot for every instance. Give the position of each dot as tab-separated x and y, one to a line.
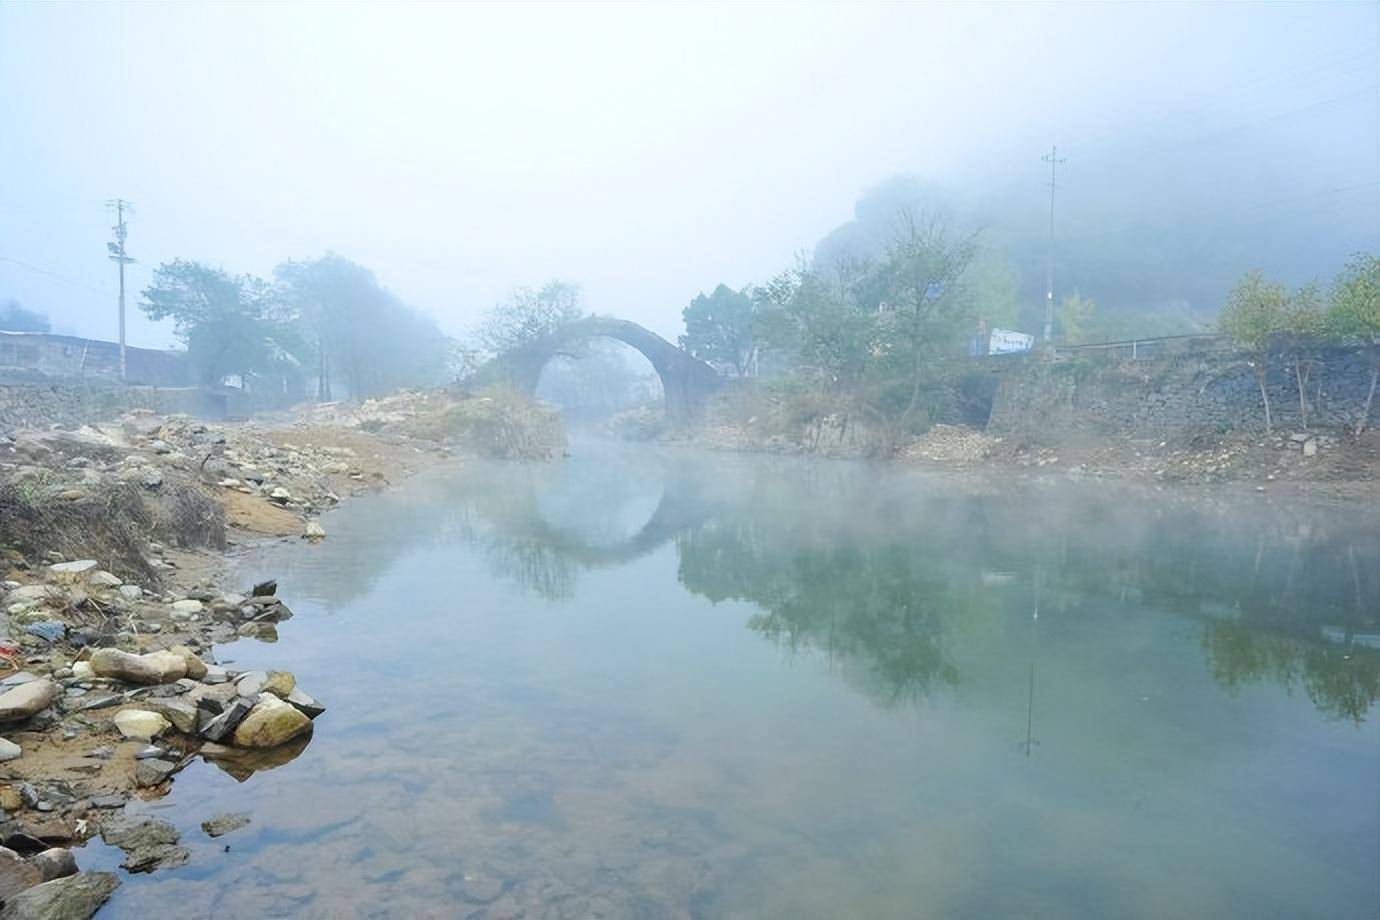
1052	158
116	251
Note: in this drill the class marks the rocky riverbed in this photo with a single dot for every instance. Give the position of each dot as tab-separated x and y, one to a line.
116	622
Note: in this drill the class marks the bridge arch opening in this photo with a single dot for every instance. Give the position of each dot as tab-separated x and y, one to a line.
686	381
595	379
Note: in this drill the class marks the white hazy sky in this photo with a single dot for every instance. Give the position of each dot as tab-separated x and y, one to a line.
643	151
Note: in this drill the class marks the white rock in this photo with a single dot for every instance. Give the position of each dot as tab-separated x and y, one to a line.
103	579
162	667
81	670
314	531
131	592
27	595
140	724
187	608
69	573
9	750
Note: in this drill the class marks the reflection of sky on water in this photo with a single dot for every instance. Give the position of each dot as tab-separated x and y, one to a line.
803	689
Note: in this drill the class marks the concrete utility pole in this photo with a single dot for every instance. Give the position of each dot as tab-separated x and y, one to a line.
117	255
1052	158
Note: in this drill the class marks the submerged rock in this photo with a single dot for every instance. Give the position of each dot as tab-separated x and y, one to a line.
161	667
27	699
270	723
76	897
148	843
221	825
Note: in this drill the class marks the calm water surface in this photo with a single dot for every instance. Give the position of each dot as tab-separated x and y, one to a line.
659	684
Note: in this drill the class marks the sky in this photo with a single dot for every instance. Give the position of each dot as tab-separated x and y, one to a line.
645	152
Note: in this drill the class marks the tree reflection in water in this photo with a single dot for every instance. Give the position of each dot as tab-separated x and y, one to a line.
882	574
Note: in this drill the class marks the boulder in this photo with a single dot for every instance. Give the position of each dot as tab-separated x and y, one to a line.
9	750
32	594
196	668
152	772
56	862
222	727
264	632
27	699
140	724
76	897
162	667
69	573
253	683
186	609
16	874
304	703
270	723
180	713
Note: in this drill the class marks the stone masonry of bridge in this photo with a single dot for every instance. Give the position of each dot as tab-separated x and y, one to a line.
686	380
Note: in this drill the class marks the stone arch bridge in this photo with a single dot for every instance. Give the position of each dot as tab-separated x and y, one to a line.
686	381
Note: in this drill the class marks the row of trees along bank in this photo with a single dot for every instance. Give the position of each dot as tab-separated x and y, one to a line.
872	324
1274	323
325	323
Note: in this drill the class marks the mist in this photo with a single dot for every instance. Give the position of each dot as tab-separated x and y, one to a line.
650	153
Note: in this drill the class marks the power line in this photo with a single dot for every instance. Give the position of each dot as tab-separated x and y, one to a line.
55	275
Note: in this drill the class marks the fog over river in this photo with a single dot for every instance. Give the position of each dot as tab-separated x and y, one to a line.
645	682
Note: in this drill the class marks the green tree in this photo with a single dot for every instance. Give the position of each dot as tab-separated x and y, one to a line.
827	324
722	327
530	314
231	324
16	318
1302	327
357	331
928	307
1353	315
1255	312
1074	318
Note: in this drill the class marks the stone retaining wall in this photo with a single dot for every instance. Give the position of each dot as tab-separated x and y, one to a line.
1212	389
24	405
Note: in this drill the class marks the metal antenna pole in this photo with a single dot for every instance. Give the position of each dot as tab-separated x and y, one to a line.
1052	158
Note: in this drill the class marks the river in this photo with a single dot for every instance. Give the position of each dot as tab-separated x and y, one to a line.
657	683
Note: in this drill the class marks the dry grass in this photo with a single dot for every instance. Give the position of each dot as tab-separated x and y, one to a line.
497	422
111	526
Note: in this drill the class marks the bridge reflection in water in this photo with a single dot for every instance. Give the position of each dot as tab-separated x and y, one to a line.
885	575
